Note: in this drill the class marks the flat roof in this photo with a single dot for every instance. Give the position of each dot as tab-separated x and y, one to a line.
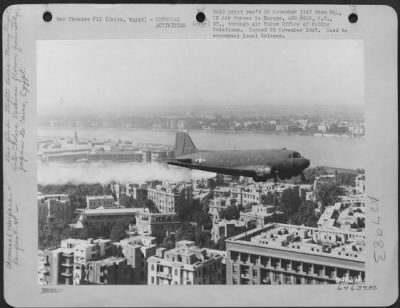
299	239
111	211
41	196
99	197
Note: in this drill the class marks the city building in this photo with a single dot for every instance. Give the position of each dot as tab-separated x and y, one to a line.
290	254
360	183
281	127
54	208
110	270
137	249
58	266
116	155
115	189
146	156
218	204
105	217
98	261
322	128
251	195
156	223
137	192
347	214
94	202
186	264
158	155
171	123
222	229
166	196
85	250
181	124
321	180
259	215
64	154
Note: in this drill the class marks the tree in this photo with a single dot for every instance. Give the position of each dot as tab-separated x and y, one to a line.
290	201
119	229
202	239
311	173
149	204
185	207
328	193
268	199
168	241
211	184
346	179
201	218
185	232
305	215
75	233
127	201
231	212
77	192
360	222
221	243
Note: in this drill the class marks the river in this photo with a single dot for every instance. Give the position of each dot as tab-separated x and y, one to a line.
322	151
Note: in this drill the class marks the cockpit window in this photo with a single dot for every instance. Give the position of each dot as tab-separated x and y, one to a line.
296	155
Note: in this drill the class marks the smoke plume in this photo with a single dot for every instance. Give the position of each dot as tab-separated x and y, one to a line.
105	172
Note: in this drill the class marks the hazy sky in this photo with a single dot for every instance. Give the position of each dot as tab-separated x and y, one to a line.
129	75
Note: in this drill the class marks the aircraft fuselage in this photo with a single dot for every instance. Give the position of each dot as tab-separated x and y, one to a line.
251	163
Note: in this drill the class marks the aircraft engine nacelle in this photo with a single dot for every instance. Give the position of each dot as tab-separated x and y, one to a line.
264	172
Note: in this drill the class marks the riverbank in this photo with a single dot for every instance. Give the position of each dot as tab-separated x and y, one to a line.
218	131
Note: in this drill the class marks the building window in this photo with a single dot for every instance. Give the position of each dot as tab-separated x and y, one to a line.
152	280
152	267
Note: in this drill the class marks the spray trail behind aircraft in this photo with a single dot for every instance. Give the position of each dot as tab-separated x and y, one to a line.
105	172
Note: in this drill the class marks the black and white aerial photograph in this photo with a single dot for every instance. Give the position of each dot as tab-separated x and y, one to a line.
201	162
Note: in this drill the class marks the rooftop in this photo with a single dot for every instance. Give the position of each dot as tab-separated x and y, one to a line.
99	197
111	211
109	260
73	242
186	255
335	243
41	196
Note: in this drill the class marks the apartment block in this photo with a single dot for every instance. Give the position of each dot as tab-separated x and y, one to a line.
54	208
137	249
85	250
110	270
360	183
260	214
186	264
106	217
226	228
94	202
165	197
58	266
156	223
289	254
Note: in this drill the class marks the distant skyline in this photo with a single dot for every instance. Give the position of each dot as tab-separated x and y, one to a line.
129	76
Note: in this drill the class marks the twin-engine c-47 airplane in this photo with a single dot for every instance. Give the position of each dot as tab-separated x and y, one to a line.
261	165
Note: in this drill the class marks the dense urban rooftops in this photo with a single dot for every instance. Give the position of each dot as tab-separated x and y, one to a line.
339	244
186	255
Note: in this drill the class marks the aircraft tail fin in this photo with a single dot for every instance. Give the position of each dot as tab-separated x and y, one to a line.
184	144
